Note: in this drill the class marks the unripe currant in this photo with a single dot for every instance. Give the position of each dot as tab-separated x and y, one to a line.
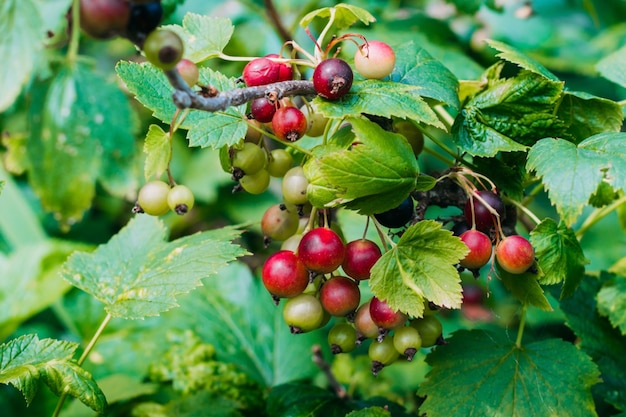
407	341
152	198
163	48
382	353
342	338
374	59
279	222
255	183
303	313
180	199
188	70
365	326
279	163
248	160
429	328
294	186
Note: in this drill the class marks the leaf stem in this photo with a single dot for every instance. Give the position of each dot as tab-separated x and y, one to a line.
72	50
524	209
598	214
83	357
444	116
520	329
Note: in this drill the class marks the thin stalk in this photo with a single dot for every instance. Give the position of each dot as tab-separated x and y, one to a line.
524	209
599	214
520	329
72	50
83	357
444	116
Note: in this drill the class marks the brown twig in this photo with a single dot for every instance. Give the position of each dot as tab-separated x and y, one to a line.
185	98
272	13
324	366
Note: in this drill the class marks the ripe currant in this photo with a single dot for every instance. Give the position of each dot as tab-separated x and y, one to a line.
289	124
180	199
384	316
261	71
332	78
342	338
374	59
103	19
397	216
285	72
163	48
263	109
340	296
365	326
321	250
284	275
152	198
483	218
480	249
188	70
303	313
361	255
515	254
144	18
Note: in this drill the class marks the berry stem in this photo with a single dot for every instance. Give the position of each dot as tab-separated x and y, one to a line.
72	50
597	215
318	359
524	209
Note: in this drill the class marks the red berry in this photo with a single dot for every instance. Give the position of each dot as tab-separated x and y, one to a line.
285	72
361	255
480	249
482	216
262	109
104	19
340	296
374	59
365	326
289	124
332	78
515	254
188	70
261	71
321	250
384	316
284	275
472	294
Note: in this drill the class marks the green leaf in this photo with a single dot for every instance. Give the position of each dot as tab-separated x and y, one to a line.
511	54
559	255
205	129
22	40
74	137
415	66
420	267
525	287
575	175
506	170
298	400
612	302
509	115
493	377
613	67
344	16
599	339
158	151
204	36
380	162
23	361
138	274
370	412
380	98
586	115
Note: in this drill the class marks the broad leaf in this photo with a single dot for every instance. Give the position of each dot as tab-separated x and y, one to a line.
158	151
613	67
511	54
204	36
138	274
370	412
525	287
506	170
420	267
494	377
27	359
559	255
344	16
612	302
380	98
599	339
205	129
297	400
509	115
378	162
22	40
586	115
415	66
577	172
65	157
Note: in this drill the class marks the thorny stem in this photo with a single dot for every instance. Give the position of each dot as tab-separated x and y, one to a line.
597	215
83	357
520	329
321	363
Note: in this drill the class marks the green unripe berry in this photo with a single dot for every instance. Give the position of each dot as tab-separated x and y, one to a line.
180	199
152	198
342	338
163	48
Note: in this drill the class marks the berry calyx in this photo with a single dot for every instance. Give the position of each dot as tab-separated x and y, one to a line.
180	199
332	78
284	275
340	296
484	219
515	254
303	313
480	249
397	216
374	60
152	198
321	250
289	124
342	338
163	48
361	255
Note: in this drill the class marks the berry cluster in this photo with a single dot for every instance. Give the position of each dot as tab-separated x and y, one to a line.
157	198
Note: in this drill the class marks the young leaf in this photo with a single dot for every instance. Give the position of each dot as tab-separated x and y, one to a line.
525	287
23	361
378	162
415	66
576	174
344	15
380	98
511	54
509	115
138	274
612	302
494	377
559	255
613	67
22	40
204	36
297	400
599	339
205	129
66	158
421	266
158	152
